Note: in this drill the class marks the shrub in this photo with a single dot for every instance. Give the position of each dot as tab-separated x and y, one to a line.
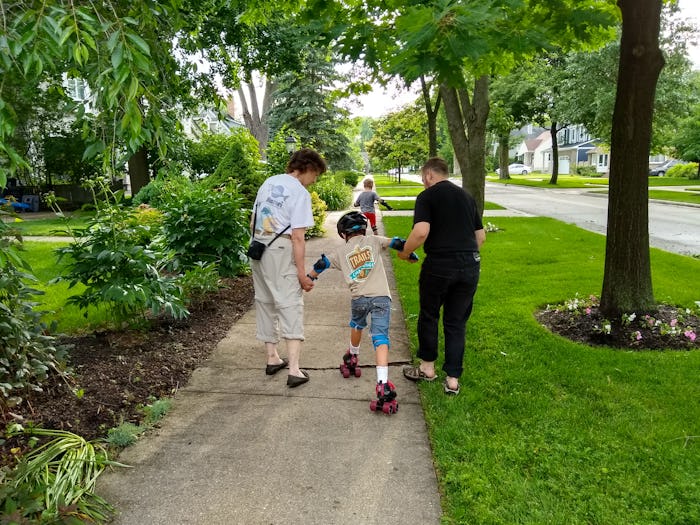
277	154
350	177
147	222
206	153
334	192
117	270
27	354
319	210
587	171
686	171
207	225
240	166
157	192
199	281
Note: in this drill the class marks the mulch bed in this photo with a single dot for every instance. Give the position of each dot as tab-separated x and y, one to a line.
116	372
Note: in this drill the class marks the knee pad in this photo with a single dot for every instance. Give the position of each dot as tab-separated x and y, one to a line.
380	339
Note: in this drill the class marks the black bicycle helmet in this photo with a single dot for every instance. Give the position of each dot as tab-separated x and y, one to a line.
351	223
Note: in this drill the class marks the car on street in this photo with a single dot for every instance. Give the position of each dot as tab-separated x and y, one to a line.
518	169
660	171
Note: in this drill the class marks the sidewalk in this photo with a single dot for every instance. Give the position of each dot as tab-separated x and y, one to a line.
239	447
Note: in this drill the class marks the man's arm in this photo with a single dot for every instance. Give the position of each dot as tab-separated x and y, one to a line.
416	238
480	237
299	250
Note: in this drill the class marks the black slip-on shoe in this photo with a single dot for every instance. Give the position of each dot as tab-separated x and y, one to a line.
273	369
294	381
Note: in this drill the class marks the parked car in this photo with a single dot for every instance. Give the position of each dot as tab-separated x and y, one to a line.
660	171
520	169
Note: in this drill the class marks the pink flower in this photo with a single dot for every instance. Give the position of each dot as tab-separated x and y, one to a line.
690	335
638	335
588	311
674	322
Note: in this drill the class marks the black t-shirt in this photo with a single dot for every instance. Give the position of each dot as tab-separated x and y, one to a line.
453	218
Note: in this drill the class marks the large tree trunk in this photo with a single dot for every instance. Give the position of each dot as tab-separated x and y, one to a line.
138	170
432	113
503	158
627	283
255	118
466	122
555	153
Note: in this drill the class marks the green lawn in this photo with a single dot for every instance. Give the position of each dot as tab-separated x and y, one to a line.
676	196
408	204
41	257
549	431
47	226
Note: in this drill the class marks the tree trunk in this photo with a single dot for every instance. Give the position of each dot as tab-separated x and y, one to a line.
466	122
627	283
555	153
503	159
432	113
138	170
255	119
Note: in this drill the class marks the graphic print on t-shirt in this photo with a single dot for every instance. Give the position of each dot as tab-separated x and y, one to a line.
361	261
268	220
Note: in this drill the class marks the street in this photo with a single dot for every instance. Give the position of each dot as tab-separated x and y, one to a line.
672	227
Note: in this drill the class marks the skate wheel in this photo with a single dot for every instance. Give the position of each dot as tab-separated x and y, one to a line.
345	372
386	408
358	372
373	406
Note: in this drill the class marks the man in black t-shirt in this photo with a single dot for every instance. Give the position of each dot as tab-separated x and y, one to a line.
447	223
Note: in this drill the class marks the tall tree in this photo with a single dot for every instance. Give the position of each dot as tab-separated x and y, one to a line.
627	283
461	44
124	50
399	139
307	103
249	52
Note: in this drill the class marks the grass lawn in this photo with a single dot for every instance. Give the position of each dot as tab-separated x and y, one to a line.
69	318
676	196
381	181
47	226
408	204
541	180
550	431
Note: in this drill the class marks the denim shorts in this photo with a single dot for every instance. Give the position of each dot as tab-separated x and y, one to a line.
378	309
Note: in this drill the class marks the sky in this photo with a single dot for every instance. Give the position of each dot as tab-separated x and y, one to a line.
382	101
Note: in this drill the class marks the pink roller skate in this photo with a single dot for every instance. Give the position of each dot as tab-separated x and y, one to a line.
349	365
386	399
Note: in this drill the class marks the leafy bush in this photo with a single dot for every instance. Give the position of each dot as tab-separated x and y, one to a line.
333	191
350	177
319	210
55	483
27	354
116	269
686	171
199	281
587	171
207	225
157	192
206	153
241	166
277	154
147	222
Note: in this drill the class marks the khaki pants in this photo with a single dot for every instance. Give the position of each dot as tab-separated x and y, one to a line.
279	299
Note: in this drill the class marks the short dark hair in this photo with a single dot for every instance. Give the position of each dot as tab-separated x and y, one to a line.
437	165
305	159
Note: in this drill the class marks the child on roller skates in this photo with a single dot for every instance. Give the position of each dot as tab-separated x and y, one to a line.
361	263
366	200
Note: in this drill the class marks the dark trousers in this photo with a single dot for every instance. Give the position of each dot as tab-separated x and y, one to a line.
448	283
